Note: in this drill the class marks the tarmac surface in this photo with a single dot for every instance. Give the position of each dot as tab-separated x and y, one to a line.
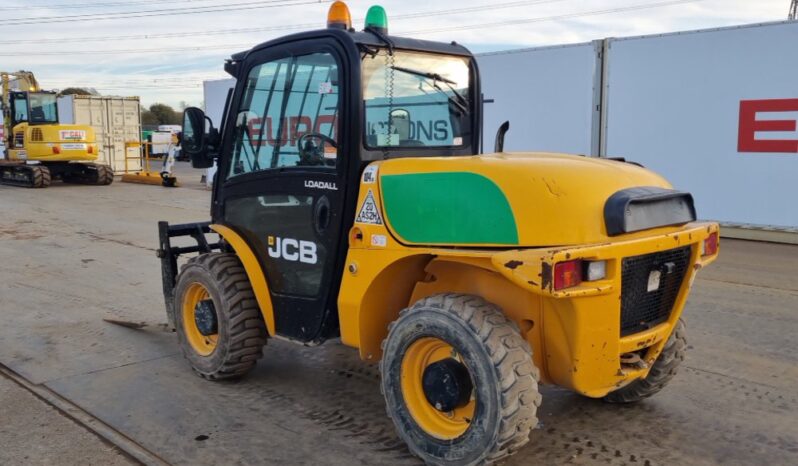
71	256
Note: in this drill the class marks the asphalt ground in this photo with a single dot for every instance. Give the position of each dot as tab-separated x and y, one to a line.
71	256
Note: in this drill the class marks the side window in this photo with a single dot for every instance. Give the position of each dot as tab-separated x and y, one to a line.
283	101
21	108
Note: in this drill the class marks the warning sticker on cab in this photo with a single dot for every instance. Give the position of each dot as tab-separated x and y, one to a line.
72	135
369	212
370	174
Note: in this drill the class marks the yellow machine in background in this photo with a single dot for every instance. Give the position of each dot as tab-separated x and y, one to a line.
32	133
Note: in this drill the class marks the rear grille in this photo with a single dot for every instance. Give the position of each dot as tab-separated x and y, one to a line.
642	309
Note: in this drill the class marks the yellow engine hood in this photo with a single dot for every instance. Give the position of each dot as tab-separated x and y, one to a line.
54	143
507	199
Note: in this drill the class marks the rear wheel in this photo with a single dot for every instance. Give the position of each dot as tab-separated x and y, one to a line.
663	370
459	381
217	318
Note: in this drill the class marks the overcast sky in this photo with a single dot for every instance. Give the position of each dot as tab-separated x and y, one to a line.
163	54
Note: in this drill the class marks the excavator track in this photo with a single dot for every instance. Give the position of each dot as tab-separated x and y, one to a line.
27	176
88	173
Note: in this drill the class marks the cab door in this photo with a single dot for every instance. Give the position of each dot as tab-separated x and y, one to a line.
282	180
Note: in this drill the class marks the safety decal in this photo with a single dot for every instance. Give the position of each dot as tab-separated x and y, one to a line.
325	87
369	213
370	174
379	240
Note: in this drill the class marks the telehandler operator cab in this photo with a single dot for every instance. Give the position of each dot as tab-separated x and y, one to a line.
310	111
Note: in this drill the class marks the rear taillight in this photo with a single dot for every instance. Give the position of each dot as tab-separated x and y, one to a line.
710	245
567	274
572	273
91	149
56	150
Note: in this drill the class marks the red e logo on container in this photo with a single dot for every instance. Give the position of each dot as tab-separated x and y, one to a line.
749	126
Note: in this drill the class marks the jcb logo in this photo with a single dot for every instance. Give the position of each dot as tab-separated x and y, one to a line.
292	250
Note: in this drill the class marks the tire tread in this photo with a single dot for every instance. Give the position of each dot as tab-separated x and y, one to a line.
510	356
247	331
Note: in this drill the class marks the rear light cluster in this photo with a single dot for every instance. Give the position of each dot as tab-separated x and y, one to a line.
710	245
572	273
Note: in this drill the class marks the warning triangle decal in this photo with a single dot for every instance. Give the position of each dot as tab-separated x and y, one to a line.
369	213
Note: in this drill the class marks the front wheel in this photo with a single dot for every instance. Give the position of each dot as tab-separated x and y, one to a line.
459	381
663	370
217	319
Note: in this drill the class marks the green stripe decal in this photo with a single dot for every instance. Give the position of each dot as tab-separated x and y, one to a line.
448	208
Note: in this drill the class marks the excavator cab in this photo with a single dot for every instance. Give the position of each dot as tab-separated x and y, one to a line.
34	108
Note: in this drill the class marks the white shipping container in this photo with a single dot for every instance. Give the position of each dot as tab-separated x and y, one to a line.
698	106
549	95
116	121
215	95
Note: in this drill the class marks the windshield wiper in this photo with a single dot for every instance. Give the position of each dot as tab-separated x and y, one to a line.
461	102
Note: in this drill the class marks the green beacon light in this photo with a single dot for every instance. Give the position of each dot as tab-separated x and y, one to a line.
377	19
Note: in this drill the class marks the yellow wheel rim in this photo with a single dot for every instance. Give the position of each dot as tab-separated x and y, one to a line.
202	344
443	425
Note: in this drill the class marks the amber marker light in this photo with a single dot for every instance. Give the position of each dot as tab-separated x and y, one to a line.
339	17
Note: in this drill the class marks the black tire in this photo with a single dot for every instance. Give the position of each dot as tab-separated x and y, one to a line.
663	370
88	173
241	331
499	362
105	175
40	176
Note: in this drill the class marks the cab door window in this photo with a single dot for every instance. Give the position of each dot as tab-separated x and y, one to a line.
20	107
284	100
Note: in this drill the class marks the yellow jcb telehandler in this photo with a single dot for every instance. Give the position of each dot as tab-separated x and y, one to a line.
38	148
352	201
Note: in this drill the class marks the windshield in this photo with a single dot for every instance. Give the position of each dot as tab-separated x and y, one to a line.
42	108
416	99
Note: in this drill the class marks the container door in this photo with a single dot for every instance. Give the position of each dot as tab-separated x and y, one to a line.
116	147
131	133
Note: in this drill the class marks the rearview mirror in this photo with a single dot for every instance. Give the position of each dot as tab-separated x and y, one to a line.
194	139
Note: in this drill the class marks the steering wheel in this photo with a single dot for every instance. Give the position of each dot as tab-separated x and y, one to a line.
310	153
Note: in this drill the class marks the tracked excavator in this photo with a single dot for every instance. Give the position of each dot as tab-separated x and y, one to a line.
38	149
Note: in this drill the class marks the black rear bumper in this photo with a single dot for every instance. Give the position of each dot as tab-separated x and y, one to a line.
169	254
